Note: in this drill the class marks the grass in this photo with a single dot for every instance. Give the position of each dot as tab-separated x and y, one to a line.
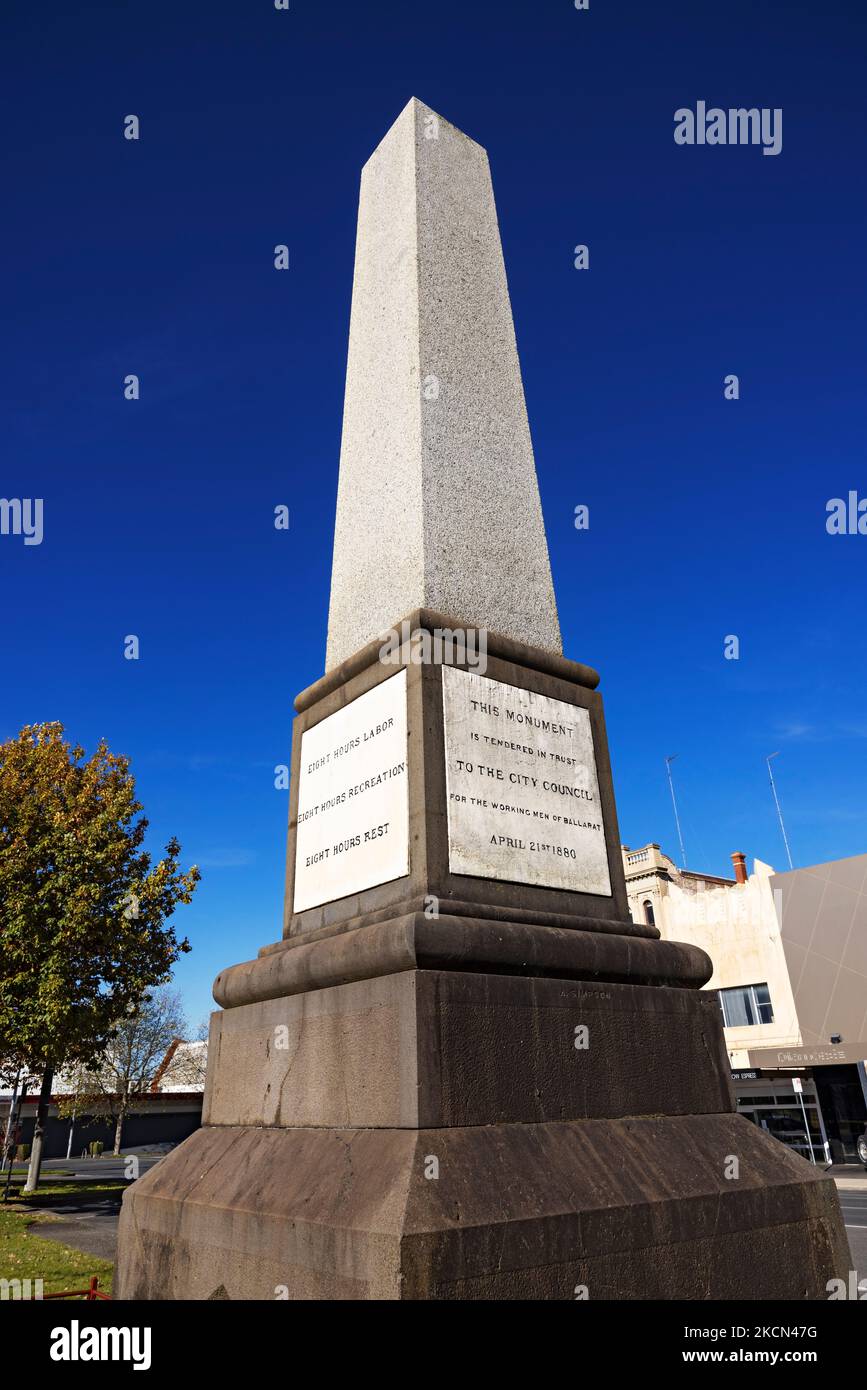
23	1255
67	1189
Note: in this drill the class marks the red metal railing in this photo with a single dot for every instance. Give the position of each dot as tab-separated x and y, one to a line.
90	1294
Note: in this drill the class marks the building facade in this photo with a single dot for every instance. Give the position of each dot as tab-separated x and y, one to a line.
790	968
153	1121
166	1114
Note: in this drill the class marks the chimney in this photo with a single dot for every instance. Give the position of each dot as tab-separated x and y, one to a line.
740	862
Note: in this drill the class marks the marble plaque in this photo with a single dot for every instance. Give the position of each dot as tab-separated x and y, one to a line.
353	798
521	786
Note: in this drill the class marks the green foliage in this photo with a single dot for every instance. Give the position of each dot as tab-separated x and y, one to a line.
84	913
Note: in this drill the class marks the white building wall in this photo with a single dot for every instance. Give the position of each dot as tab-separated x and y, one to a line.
736	924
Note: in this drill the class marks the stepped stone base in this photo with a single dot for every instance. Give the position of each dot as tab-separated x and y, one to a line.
626	1209
429	1048
396	1107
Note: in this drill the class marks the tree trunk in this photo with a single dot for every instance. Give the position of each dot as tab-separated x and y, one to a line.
71	1128
118	1129
39	1131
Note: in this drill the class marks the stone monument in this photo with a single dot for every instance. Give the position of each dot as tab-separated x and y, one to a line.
464	1072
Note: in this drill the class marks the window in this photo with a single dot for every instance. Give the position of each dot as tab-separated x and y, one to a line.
746	1006
648	913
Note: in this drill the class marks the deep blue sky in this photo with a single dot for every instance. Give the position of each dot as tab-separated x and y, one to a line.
707	516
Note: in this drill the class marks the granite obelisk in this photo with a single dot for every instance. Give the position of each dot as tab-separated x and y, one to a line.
464	1072
436	460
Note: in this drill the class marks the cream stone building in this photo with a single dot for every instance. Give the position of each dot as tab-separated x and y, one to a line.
790	968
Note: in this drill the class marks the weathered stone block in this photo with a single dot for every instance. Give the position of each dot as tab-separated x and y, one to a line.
426	1049
629	1209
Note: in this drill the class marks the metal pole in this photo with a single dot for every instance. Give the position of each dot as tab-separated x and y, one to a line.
825	1145
21	1100
668	763
9	1117
807	1128
779	808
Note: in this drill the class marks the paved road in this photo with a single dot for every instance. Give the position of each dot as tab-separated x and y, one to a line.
854	1207
95	1169
91	1228
86	1224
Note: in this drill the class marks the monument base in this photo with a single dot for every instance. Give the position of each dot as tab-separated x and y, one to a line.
605	1209
441	1049
458	1085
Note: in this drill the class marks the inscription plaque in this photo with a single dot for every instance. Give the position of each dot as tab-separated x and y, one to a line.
353	807
521	787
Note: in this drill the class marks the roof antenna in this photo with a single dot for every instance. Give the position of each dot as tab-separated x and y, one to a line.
668	763
779	808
